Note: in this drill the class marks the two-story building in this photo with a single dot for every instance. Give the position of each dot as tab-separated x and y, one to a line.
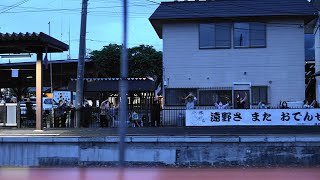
218	49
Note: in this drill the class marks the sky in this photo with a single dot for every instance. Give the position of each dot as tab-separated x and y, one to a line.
104	22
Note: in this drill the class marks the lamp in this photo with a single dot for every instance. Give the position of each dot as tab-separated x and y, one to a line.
15	56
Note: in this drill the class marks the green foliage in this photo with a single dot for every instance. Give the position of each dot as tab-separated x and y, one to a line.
144	61
107	61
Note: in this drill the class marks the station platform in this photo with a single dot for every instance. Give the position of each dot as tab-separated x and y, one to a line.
167	131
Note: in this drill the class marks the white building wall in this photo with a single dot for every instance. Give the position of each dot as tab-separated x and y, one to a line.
280	65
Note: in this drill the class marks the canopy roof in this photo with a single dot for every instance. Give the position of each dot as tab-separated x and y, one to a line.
30	43
112	84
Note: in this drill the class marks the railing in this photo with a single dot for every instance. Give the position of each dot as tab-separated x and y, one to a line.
92	117
27	119
3	114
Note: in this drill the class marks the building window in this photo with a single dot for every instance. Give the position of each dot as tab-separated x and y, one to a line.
175	97
249	35
215	35
259	94
209	97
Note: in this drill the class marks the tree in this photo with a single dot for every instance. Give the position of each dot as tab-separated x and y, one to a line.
144	61
107	61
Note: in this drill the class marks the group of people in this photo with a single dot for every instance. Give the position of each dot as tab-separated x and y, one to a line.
240	102
65	112
136	118
107	113
3	100
314	104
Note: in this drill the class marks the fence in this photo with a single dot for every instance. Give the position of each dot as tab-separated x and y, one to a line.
92	117
27	120
137	117
3	114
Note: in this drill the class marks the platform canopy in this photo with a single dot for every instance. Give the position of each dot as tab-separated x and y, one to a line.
112	84
30	43
39	43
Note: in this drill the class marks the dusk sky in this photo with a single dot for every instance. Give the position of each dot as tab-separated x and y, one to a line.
104	23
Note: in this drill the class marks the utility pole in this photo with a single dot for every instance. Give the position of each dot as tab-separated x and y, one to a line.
123	87
81	63
51	86
69	40
50	62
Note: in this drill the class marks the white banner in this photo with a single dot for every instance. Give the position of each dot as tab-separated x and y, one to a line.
252	117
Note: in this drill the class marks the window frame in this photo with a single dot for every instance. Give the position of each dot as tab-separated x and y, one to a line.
204	104
259	100
215	35
250	46
182	104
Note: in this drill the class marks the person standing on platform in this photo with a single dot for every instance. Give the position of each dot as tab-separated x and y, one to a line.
104	108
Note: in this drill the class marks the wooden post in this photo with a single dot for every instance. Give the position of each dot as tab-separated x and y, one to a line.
18	117
39	91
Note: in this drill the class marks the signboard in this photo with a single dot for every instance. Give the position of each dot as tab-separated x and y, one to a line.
252	117
15	73
62	95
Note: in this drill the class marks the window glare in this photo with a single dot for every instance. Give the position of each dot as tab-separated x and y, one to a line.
207	35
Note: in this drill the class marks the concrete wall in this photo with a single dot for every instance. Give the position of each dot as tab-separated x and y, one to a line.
169	151
282	61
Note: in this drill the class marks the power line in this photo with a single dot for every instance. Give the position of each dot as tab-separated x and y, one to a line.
115	14
76	11
132	15
226	18
14	6
70	9
102	41
10	6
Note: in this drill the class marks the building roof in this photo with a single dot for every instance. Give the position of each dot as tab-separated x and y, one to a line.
62	61
230	10
112	84
30	43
